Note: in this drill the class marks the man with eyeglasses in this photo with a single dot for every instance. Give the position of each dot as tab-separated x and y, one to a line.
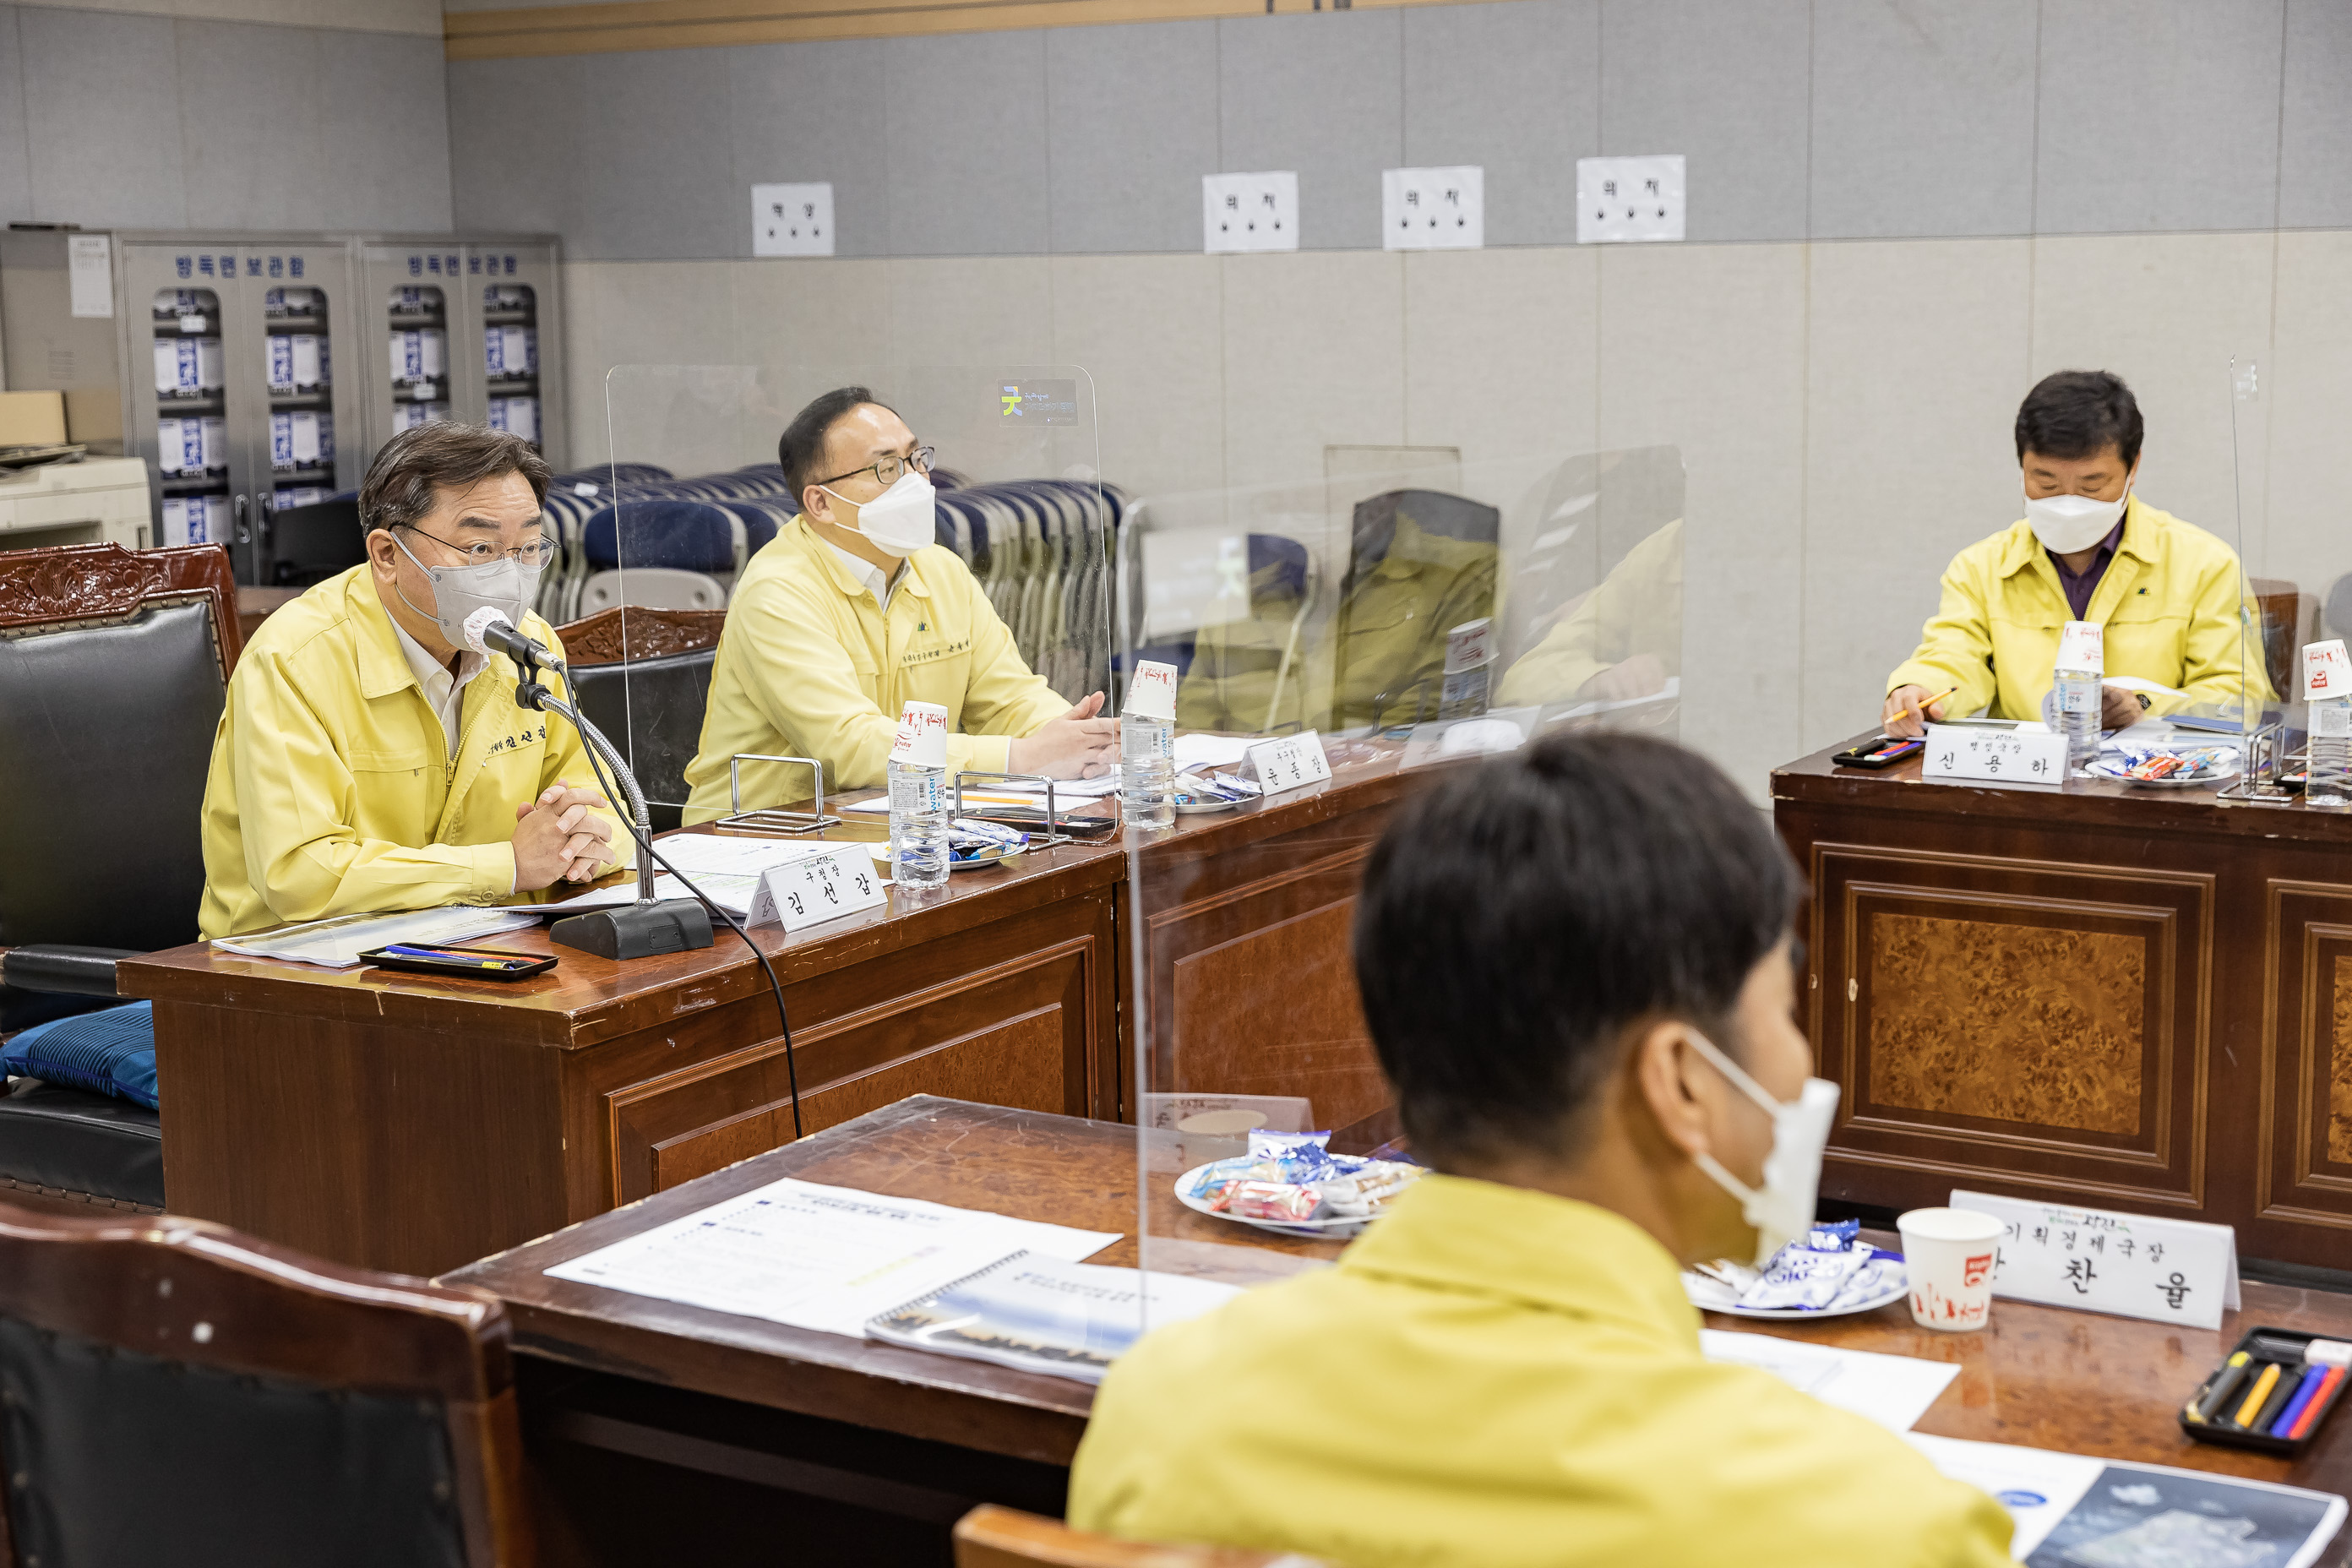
851	610
367	759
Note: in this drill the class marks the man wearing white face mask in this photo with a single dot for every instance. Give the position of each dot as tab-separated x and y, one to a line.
365	760
853	610
2089	549
1575	964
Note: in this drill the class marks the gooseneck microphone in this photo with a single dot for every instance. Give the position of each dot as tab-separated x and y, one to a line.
490	633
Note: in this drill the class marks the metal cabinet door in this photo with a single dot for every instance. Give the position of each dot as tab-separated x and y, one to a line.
296	362
183	308
511	288
409	310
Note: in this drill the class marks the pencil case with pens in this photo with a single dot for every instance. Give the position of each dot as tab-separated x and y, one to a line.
2272	1391
463	962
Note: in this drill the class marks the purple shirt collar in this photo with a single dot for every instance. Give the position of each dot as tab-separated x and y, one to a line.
2078	590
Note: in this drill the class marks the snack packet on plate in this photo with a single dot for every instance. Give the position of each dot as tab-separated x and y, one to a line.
1808	1274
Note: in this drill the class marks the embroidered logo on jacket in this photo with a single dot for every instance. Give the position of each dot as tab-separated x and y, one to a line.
935	653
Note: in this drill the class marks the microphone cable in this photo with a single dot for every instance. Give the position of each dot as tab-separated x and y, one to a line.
645	842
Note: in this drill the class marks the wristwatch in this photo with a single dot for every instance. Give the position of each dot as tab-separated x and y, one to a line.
2143	700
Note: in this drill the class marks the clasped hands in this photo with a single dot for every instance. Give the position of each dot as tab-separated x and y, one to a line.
559	837
1078	745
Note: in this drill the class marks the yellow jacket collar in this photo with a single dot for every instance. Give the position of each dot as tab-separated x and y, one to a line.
1484	1238
2022	549
807	539
383	669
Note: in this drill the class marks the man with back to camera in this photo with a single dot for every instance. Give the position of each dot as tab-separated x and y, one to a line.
852	610
2088	549
366	760
1576	966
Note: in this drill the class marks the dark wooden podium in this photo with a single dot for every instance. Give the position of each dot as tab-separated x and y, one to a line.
2130	998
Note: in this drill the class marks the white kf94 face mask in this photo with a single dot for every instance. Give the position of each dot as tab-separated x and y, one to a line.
504	585
1782	1209
2068	523
901	518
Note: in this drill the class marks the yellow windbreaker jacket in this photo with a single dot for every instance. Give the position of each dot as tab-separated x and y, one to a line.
332	792
810	666
2171	604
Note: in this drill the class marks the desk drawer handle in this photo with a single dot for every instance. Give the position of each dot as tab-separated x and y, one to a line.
1852	988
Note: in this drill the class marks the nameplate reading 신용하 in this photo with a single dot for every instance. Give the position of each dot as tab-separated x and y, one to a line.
2003	756
1293	761
818	888
2168	1270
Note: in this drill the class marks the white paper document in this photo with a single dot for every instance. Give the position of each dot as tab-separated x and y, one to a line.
2069	1510
1892	1390
820	1257
338	944
696	853
1199	750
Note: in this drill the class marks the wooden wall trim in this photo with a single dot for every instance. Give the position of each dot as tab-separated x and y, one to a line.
626	26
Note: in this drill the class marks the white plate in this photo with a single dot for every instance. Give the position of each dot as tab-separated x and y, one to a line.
2221	775
1713	1296
1314	1229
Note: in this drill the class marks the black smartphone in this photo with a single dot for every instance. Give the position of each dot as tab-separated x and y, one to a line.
1883	753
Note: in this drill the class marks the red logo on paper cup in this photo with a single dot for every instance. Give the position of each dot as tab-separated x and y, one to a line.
922	738
1973	1271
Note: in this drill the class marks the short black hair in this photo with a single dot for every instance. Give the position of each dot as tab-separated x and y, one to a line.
800	450
401	484
1519	917
2077	414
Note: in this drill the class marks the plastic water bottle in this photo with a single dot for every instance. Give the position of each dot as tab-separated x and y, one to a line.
918	797
1147	747
2328	686
1469	656
2082	666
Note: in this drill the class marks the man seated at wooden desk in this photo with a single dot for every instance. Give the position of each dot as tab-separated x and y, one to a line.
366	759
853	610
2088	549
1576	967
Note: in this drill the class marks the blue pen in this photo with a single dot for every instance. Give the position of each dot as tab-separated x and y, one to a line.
2312	1378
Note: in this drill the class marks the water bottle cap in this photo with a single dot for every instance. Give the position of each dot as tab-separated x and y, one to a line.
922	740
1153	693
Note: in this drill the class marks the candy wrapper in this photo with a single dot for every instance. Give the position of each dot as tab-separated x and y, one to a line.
1318	1184
1267	1200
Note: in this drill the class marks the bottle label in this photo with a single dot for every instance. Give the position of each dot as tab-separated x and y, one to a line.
2331	721
916	792
1142	743
2078	696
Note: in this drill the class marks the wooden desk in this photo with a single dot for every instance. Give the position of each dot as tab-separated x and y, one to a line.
2137	999
413	1123
777	1415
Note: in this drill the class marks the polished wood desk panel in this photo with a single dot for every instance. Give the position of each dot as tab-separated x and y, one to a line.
415	1123
700	1390
2135	999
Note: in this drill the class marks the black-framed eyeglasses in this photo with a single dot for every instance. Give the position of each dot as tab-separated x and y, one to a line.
535	551
886	470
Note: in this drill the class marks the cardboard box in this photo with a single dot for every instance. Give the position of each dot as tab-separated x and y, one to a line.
32	419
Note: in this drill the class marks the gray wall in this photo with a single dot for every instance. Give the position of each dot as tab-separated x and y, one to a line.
1801	120
109	119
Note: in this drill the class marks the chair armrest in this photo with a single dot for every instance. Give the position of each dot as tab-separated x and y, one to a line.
61	970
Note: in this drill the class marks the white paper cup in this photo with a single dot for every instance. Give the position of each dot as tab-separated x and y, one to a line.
1948	1258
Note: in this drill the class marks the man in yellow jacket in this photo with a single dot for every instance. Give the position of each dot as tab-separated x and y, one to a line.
365	760
2170	595
852	611
1504	1371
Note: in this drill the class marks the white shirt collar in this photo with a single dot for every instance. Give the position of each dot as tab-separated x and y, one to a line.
865	571
443	691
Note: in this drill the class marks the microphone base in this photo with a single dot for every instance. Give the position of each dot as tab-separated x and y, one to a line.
638	930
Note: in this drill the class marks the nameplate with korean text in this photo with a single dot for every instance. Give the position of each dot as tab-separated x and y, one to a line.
1293	761
2003	756
819	888
2134	1266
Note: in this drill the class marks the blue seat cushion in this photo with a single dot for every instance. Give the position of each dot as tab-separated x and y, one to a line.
107	1052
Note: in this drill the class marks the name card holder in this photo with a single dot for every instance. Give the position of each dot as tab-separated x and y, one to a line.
2166	1270
1293	762
809	891
1999	756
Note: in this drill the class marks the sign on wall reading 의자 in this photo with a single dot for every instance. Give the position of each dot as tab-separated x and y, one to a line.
1250	212
792	220
2168	1270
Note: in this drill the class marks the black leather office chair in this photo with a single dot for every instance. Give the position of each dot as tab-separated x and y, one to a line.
1420	562
309	545
643	678
171	1392
113	671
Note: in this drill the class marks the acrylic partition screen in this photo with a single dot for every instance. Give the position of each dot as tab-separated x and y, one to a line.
693	503
1339	644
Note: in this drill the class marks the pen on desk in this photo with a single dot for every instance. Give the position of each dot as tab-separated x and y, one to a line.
2210	1406
2289	1381
2306	1387
445	956
2317	1404
2256	1395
